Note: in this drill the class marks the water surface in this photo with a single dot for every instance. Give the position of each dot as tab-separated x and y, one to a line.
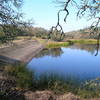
77	61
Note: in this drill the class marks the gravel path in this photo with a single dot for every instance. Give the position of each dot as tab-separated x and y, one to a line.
22	52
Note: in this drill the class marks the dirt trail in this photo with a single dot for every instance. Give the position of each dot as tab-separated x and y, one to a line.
22	52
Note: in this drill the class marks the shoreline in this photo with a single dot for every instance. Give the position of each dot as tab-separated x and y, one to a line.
24	50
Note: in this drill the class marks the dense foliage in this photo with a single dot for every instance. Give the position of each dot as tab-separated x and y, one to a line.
11	23
9	19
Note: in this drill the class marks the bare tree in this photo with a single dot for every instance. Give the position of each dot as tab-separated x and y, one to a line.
89	8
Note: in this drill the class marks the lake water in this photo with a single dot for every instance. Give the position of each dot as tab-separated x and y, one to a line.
77	61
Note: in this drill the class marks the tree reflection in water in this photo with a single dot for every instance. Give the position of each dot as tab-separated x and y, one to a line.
55	52
91	48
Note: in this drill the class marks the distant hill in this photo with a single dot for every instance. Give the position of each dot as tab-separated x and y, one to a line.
80	34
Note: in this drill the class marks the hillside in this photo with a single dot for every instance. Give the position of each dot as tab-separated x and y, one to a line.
79	34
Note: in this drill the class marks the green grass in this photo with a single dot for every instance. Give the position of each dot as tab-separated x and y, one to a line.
57	44
70	42
23	77
0	44
56	84
84	41
60	85
88	89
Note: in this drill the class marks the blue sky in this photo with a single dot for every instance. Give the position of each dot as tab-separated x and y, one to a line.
44	14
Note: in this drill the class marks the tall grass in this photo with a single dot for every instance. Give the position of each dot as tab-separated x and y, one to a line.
56	83
90	89
59	85
22	76
26	79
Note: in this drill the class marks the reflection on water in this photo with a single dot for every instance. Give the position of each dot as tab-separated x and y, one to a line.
54	52
77	60
89	48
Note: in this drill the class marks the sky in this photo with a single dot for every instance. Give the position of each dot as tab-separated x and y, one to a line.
44	14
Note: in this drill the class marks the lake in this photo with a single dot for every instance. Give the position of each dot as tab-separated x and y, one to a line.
76	61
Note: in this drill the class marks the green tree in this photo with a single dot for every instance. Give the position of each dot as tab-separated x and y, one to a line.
11	19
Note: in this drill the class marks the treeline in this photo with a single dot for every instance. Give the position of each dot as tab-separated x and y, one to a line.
10	33
42	33
34	31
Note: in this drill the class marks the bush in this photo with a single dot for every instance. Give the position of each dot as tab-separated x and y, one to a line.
90	89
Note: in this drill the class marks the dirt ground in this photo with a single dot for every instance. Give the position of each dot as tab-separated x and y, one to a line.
49	95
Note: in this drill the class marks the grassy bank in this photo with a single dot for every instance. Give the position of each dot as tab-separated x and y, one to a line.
25	79
51	44
84	41
57	44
